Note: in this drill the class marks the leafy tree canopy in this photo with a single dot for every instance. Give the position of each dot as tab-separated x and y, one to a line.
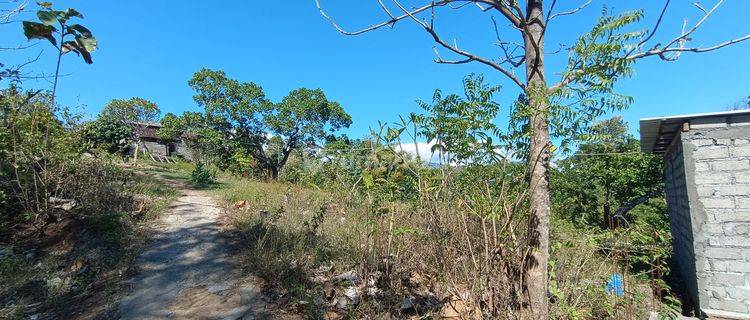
131	110
607	172
238	117
113	129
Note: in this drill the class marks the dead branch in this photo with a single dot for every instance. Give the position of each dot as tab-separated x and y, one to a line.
677	46
653	31
508	8
551	16
671	51
390	22
7	15
662	51
510	56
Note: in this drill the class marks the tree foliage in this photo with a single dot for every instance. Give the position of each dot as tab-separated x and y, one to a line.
607	172
113	130
462	128
130	110
54	26
240	123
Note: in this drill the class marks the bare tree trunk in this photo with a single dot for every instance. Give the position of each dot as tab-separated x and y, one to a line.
135	154
609	221
536	267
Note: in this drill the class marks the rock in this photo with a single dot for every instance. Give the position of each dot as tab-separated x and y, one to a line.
323	269
353	294
318	301
55	282
62	204
372	291
350	276
34	317
342	303
372	281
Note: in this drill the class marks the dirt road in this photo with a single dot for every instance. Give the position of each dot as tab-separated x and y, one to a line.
187	271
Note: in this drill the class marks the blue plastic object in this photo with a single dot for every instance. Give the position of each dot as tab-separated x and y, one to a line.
614	285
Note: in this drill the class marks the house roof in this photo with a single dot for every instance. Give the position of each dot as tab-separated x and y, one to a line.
657	133
146	130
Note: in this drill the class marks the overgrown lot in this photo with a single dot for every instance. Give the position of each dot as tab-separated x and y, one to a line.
75	267
333	252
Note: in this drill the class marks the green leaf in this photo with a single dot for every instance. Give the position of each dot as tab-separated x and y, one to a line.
45	4
36	30
88	43
79	48
71	13
47	17
69	46
83	31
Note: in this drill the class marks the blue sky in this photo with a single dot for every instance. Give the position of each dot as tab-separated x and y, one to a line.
151	48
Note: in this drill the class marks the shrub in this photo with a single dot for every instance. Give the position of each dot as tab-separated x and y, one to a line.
202	176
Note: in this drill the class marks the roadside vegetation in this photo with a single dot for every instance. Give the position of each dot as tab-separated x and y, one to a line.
71	212
553	214
362	228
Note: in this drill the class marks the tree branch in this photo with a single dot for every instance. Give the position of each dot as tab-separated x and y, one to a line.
510	57
503	6
653	31
472	57
660	52
626	207
675	46
390	22
551	16
681	40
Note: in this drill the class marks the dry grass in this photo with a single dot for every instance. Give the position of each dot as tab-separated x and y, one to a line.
434	255
75	269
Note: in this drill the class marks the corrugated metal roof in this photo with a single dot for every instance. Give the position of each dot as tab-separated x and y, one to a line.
657	133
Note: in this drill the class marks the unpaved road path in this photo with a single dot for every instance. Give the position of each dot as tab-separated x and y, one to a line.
187	271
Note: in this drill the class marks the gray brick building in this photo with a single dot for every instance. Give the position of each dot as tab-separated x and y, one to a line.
707	182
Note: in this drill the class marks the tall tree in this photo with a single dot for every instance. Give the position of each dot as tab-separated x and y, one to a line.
596	61
302	119
233	111
246	120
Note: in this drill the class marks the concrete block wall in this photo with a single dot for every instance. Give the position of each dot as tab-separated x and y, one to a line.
717	178
680	219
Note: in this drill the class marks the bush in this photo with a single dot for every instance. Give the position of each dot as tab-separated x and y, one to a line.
202	176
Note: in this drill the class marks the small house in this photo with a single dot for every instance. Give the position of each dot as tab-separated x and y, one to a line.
707	186
149	141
